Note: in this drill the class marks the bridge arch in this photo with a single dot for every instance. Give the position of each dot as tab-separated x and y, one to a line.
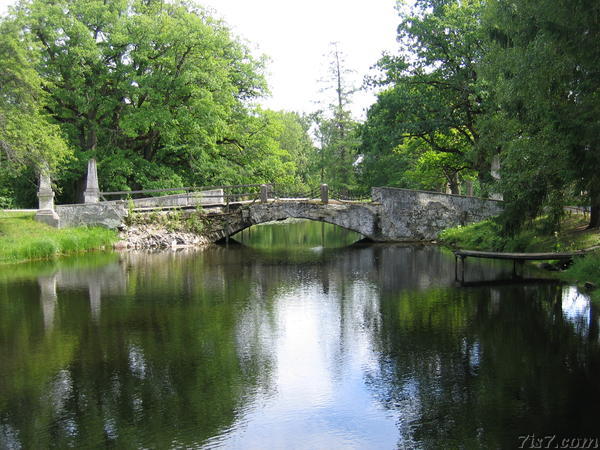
362	219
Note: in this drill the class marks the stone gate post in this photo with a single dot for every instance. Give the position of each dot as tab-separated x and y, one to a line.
46	213
92	190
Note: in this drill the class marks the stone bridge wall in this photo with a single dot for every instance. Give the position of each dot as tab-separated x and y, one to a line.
103	214
407	215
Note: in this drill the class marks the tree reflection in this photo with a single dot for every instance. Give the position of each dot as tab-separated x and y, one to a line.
480	367
160	365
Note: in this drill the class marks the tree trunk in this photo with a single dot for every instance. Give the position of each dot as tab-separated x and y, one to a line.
595	204
453	183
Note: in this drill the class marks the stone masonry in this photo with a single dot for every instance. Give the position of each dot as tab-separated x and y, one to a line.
407	215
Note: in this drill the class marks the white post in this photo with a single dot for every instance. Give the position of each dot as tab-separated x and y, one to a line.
92	189
46	213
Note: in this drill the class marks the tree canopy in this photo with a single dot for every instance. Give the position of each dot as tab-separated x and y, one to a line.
475	82
159	92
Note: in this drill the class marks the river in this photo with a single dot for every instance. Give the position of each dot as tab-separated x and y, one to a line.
297	339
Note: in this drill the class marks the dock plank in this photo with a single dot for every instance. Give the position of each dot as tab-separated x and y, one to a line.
521	256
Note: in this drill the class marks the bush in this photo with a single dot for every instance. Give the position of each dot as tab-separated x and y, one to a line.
478	236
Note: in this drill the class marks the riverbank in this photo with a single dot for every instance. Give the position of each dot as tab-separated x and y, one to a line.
162	230
573	235
23	239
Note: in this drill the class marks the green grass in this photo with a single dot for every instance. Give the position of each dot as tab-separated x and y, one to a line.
24	239
585	269
486	235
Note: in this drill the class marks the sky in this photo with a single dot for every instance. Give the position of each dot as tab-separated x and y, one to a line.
296	37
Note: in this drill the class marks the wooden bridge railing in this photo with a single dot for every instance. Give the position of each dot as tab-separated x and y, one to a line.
226	194
210	195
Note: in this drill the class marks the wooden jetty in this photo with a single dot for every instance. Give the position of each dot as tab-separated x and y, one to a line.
519	258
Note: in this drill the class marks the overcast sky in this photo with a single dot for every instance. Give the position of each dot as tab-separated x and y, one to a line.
295	35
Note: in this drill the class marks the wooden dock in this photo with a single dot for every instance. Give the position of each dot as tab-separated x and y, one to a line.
519	258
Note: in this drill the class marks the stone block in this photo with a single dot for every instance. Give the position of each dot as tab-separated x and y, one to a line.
103	214
48	217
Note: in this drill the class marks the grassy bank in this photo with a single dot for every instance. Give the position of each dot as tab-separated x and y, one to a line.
572	235
24	239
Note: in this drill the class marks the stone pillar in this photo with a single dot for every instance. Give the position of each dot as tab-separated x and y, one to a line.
324	193
264	193
46	213
92	190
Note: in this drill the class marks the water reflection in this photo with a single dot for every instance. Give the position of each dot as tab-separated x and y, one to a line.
297	234
576	308
363	347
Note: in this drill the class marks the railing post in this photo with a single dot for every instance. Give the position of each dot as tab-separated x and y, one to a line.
324	193
46	213
92	190
264	193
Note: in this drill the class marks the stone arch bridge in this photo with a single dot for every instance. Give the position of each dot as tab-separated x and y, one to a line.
391	215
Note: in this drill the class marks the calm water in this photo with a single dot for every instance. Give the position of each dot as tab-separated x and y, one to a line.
298	342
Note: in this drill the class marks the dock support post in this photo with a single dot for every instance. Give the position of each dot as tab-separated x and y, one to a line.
455	267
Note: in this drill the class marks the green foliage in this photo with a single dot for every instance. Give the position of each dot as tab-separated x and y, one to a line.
542	60
484	235
338	153
22	239
490	235
585	269
27	136
172	220
291	132
433	99
195	223
160	93
335	130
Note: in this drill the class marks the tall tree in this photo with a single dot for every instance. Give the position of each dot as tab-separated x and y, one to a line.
336	129
27	136
292	134
545	65
432	91
158	91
